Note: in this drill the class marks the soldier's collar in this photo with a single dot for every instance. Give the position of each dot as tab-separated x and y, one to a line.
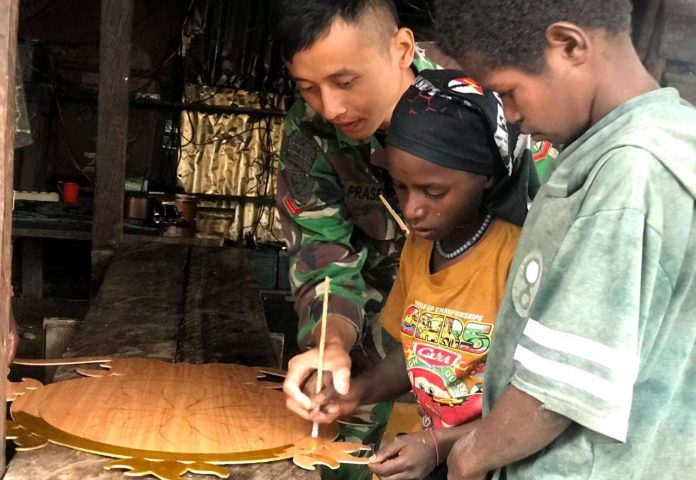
346	141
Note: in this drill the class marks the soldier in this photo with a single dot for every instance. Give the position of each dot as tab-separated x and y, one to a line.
351	64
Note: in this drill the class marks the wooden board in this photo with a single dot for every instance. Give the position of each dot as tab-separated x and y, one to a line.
112	127
138	309
167	419
138	312
223	312
9	11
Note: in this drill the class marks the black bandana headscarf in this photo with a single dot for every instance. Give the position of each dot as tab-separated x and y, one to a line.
446	118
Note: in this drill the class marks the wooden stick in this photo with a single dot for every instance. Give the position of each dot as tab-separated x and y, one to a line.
49	362
396	216
322	342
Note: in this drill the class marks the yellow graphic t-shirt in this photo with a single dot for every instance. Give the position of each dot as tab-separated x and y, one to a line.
445	322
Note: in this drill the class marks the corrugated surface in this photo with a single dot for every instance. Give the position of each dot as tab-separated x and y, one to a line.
232	154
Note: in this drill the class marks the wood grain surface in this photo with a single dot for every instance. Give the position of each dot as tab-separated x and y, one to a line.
8	48
139	312
211	412
112	125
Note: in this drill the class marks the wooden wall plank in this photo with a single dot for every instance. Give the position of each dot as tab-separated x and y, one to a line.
112	127
224	319
678	40
35	156
32	267
9	10
647	27
139	306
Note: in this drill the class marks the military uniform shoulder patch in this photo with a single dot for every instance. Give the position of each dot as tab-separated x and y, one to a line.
299	156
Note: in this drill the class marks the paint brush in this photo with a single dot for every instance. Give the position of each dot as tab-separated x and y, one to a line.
396	216
322	342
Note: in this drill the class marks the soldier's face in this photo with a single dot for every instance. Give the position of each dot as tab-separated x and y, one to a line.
435	200
353	76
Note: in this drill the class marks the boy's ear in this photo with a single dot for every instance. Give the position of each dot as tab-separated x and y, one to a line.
404	47
569	41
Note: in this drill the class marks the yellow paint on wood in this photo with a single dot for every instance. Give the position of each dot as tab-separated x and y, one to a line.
164	419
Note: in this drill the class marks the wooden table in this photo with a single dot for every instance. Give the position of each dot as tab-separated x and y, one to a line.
168	302
34	221
59	463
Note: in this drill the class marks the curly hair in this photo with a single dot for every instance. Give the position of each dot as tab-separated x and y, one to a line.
513	32
300	23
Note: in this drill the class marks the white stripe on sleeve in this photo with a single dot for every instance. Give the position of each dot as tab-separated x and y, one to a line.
615	394
614	359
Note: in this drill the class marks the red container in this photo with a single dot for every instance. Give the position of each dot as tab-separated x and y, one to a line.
70	191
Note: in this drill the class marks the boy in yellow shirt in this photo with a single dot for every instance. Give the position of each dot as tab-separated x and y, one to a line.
464	194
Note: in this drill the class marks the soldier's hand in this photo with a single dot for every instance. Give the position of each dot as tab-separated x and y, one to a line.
300	381
329	405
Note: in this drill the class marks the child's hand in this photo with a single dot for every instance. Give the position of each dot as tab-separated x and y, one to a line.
408	457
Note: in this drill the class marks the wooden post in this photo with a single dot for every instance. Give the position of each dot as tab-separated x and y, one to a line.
648	27
9	11
32	267
35	156
112	130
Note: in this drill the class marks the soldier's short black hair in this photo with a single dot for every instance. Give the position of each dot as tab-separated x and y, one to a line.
513	32
300	23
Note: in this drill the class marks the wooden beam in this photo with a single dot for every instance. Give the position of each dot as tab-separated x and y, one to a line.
8	50
32	267
35	156
219	327
645	30
112	129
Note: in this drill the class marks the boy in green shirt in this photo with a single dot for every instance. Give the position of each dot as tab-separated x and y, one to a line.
592	369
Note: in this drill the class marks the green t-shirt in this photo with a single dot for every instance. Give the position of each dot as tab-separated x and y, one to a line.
599	316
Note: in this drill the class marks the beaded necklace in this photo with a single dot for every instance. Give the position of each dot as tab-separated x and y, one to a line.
468	244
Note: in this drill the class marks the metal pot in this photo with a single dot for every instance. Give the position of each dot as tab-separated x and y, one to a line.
136	207
164	212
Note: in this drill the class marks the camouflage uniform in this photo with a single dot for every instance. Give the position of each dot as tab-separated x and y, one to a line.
334	223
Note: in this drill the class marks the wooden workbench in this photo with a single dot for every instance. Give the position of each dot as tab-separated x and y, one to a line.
34	221
167	302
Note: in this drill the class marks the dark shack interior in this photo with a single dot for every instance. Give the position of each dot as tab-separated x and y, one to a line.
175	251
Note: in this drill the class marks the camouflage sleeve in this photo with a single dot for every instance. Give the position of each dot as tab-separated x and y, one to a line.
318	231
